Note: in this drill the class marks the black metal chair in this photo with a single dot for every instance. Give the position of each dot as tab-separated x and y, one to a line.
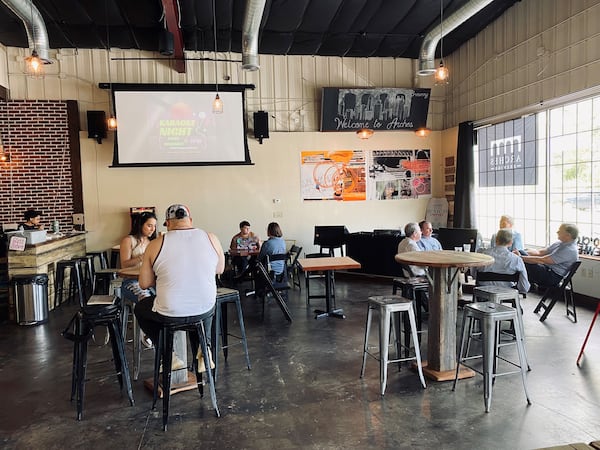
264	283
414	288
106	311
563	290
164	352
292	266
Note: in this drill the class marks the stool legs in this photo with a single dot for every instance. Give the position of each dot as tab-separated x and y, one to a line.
221	334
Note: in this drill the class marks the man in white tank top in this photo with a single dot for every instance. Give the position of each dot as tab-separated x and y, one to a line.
181	265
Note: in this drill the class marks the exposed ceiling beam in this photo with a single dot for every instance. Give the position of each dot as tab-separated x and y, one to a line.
172	18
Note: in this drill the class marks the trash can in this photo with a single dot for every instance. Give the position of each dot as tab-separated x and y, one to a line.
31	298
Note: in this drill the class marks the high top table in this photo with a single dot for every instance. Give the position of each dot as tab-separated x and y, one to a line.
328	265
444	266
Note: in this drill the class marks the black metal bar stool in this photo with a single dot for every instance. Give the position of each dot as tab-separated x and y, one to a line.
164	353
387	307
226	296
86	265
102	313
73	266
101	256
489	315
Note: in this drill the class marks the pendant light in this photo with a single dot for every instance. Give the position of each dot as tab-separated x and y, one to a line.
34	66
441	74
364	133
217	106
111	122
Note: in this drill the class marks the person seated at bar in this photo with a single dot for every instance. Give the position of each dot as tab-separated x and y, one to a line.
131	252
32	220
244	241
507	222
547	266
505	262
427	241
181	265
274	245
410	244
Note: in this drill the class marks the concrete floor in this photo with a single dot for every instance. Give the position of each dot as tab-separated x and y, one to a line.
304	390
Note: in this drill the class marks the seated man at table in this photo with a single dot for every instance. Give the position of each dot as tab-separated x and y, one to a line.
410	244
182	265
244	241
547	266
428	242
505	262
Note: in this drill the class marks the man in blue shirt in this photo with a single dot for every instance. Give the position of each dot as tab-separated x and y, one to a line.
428	242
547	266
504	262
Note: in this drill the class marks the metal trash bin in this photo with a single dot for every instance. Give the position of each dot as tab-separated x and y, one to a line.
31	298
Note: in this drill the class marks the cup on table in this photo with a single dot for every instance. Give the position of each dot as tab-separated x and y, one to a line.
458	249
467	247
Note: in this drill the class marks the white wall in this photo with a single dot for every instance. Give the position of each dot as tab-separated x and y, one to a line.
221	196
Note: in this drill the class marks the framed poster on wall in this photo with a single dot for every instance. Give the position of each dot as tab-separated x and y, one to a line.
386	109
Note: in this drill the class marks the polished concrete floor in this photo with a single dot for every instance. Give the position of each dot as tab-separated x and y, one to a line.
304	390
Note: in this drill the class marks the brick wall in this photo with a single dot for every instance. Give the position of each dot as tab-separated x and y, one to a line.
36	135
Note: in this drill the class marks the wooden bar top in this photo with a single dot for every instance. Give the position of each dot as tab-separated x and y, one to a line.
328	263
445	258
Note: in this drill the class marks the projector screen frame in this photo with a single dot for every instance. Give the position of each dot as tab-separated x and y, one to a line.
164	87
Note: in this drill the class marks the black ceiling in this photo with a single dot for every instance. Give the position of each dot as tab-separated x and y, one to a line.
353	28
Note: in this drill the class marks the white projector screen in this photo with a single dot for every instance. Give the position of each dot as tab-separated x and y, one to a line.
165	125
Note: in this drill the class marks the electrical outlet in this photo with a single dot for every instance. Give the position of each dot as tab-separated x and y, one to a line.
78	219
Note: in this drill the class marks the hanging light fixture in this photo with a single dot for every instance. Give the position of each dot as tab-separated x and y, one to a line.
111	122
4	156
34	65
441	73
217	106
365	133
422	131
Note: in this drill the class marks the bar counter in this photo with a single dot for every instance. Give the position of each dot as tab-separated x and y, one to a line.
41	258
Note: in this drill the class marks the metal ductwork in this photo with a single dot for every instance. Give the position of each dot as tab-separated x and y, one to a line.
37	35
427	52
250	30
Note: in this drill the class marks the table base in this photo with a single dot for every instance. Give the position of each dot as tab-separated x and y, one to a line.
338	313
175	388
446	375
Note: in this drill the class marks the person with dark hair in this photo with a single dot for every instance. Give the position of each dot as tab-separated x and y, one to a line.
181	265
32	219
133	246
274	245
547	266
244	241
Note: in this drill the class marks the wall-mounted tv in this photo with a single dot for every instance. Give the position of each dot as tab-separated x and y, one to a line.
173	125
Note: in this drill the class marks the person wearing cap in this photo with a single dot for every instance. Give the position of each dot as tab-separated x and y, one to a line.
181	266
32	220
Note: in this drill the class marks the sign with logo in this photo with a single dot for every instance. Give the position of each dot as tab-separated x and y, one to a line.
507	153
385	109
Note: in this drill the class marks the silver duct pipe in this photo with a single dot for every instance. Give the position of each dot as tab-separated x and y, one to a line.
427	52
35	27
250	29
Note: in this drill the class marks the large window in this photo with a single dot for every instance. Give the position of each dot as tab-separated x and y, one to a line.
565	185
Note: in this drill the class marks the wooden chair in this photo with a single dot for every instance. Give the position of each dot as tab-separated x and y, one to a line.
563	290
588	333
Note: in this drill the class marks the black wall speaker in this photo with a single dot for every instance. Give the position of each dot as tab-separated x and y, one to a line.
96	121
165	43
261	125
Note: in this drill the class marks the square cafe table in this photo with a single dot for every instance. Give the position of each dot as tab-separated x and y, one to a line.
444	266
328	265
